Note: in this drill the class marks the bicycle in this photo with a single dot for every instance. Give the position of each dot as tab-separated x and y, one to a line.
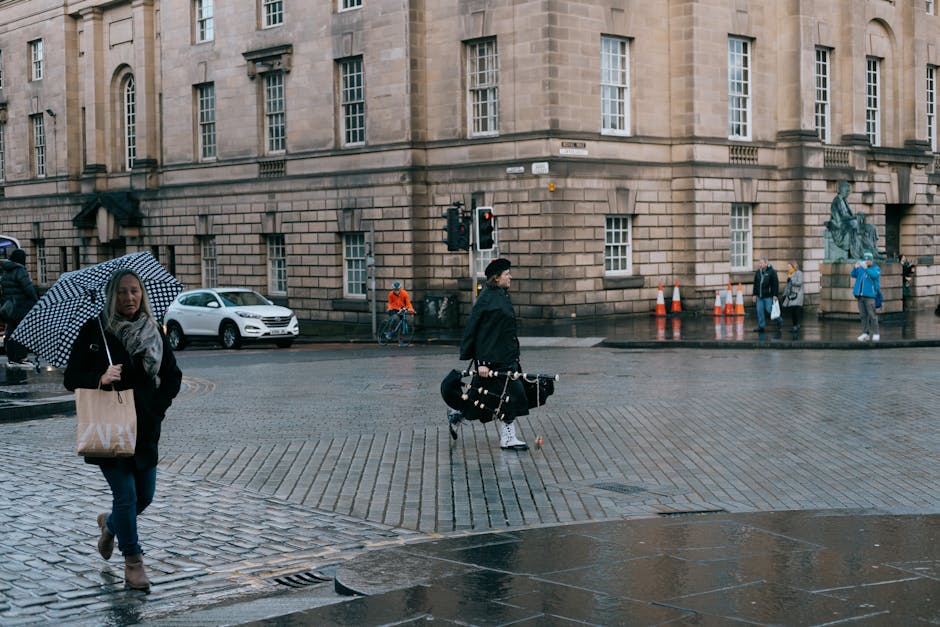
397	325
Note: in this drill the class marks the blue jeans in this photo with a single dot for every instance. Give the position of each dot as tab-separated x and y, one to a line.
764	306
132	491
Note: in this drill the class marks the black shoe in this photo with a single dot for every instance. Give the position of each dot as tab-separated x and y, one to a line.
454	418
759	330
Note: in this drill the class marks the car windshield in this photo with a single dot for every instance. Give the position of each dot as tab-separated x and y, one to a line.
241	299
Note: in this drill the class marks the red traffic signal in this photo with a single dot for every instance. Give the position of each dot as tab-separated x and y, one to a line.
486	228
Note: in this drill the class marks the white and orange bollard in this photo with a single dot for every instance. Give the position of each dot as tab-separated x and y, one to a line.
718	310
729	304
739	303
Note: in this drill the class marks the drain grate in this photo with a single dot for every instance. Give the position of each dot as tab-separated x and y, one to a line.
302	580
621	488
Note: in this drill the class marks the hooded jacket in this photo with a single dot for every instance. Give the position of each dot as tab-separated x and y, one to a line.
867	281
17	287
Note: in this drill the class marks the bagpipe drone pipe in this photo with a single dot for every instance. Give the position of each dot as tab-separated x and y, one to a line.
487	399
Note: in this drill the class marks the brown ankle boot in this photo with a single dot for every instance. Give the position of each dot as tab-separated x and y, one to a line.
106	540
135	576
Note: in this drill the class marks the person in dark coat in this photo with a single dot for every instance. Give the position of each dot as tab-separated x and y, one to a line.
490	339
20	291
766	289
141	360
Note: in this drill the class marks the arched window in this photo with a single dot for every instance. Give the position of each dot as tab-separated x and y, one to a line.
130	121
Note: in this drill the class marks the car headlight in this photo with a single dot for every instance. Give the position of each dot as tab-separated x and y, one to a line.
248	314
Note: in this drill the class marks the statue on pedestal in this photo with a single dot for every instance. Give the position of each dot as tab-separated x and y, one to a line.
848	230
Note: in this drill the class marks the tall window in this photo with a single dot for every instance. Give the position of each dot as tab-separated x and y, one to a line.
205	21
354	259
345	5
932	106
130	122
205	95
483	85
353	102
275	129
38	137
618	246
739	88
277	264
873	101
823	111
272	13
210	269
3	152
740	237
615	86
42	274
35	58
930	7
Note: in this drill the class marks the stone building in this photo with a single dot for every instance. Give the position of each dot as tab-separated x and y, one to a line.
622	144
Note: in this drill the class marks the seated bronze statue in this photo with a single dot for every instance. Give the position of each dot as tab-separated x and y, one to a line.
848	230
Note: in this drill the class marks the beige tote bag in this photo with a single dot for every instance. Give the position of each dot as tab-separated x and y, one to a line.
107	419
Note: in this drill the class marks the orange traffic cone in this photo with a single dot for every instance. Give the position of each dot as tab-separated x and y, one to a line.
676	304
717	313
739	303
729	304
660	302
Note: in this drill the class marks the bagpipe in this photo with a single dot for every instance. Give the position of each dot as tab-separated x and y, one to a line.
490	398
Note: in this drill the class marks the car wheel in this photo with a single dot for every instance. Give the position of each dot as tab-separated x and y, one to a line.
229	336
284	343
175	337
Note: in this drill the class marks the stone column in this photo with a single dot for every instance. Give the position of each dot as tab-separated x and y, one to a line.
93	98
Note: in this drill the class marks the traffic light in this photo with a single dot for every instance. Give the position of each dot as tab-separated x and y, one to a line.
486	228
457	228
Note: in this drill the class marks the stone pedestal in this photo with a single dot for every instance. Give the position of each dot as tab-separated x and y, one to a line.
835	293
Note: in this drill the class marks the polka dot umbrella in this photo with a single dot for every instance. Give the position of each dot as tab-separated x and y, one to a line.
51	326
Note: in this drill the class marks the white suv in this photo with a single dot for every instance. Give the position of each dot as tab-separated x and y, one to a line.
230	315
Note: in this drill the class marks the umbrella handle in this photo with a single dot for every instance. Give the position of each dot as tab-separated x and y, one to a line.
105	340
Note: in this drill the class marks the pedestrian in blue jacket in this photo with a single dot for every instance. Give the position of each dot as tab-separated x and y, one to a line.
867	287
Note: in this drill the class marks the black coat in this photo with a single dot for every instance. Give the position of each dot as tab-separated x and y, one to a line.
88	361
17	286
490	336
766	283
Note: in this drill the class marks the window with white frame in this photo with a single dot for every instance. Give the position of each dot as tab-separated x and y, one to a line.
822	104
615	86
38	138
352	102
741	237
354	261
3	152
277	264
873	100
275	130
205	21
932	106
272	13
618	246
483	87
210	269
930	7
739	88
42	274
346	5
35	60
205	97
130	122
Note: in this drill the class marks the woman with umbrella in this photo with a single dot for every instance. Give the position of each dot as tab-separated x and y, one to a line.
142	361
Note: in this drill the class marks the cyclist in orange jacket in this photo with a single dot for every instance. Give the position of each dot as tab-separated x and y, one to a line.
398	301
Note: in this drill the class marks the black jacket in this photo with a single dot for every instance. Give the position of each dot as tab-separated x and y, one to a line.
490	336
17	286
766	283
89	360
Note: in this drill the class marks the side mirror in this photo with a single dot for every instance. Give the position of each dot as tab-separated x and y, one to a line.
213	304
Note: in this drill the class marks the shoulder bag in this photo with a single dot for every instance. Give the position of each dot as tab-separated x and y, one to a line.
107	419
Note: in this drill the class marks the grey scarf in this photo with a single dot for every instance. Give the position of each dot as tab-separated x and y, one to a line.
142	337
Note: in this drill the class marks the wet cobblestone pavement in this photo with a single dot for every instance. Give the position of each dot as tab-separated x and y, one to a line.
344	457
